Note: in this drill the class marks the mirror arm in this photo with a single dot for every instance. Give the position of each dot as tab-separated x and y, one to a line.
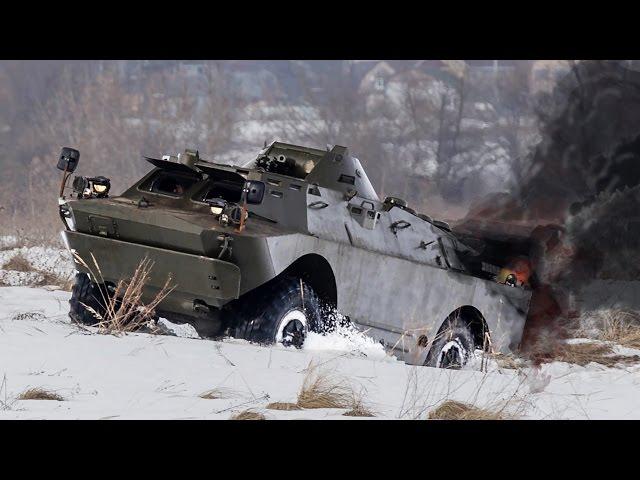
65	175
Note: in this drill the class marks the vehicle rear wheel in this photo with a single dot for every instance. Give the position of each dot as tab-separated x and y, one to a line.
453	347
85	293
283	313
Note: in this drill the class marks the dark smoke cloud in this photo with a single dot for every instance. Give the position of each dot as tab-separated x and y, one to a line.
589	127
584	178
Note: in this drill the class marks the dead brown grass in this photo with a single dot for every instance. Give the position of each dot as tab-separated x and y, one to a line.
320	389
216	393
18	263
453	410
125	311
51	278
621	327
358	406
38	393
248	415
359	411
283	406
585	353
509	361
323	389
8	246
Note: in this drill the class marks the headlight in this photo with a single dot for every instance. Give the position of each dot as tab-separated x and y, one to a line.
308	166
217	206
100	186
90	187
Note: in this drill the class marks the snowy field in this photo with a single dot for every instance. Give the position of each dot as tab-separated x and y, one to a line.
139	376
145	376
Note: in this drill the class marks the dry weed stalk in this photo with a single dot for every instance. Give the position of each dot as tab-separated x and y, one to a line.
6	403
422	398
124	311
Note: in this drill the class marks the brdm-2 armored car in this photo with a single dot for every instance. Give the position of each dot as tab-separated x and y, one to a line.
267	252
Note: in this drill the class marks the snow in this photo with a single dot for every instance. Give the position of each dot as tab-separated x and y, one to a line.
347	339
145	376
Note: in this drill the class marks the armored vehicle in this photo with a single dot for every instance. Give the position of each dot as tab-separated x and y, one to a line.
269	251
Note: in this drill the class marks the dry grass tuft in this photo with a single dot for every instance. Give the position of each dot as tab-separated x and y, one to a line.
51	278
4	247
248	415
283	406
322	390
452	410
38	393
18	263
358	407
359	410
125	311
509	361
585	353
621	327
216	393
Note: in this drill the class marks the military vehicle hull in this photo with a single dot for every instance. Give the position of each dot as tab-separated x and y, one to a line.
394	273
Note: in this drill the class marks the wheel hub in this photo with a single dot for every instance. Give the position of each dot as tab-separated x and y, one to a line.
452	355
292	329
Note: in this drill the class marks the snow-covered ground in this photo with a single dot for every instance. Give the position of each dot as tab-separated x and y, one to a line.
160	376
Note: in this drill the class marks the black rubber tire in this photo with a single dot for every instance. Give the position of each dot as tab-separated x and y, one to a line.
259	313
85	292
458	354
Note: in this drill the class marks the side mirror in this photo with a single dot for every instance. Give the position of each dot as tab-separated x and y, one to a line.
254	191
69	158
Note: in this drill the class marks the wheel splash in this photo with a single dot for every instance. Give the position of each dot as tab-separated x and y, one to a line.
338	334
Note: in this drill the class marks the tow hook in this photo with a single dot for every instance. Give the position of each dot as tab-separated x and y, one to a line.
226	245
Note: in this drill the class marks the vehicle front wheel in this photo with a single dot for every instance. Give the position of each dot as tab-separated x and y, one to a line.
453	347
85	294
282	313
